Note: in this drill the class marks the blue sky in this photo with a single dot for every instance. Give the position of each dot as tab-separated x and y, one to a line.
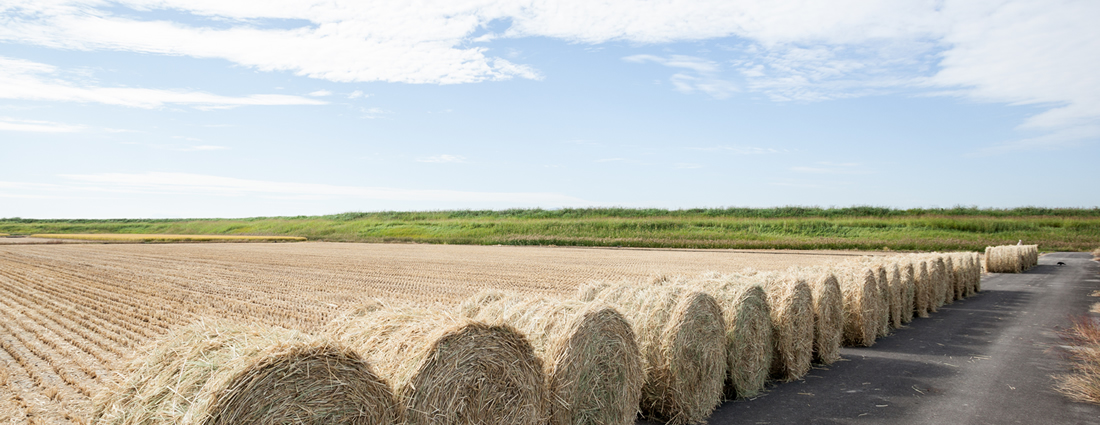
207	109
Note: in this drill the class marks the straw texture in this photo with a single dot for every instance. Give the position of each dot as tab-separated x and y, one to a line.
593	367
749	334
216	372
447	369
681	334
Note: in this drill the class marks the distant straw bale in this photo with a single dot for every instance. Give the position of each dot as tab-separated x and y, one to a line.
593	367
908	290
749	334
897	292
218	372
828	312
682	336
791	302
922	282
1011	258
446	369
883	282
859	285
949	278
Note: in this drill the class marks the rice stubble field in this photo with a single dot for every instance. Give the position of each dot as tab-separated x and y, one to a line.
73	314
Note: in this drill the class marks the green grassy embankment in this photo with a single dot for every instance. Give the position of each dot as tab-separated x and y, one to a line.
779	228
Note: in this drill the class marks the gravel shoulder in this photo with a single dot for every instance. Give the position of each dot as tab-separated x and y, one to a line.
987	359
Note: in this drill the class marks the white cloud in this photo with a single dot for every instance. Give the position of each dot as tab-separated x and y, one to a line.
320	93
26	80
1027	52
33	126
357	94
703	77
198	184
441	159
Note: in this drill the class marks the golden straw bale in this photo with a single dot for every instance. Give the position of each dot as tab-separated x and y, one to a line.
828	312
682	336
859	286
922	282
896	288
447	369
959	261
594	371
216	372
883	282
791	302
949	278
908	290
749	333
937	286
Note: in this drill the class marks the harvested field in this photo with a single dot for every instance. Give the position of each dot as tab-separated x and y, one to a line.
71	314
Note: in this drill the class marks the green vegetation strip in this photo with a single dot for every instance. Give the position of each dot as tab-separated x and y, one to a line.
780	228
130	237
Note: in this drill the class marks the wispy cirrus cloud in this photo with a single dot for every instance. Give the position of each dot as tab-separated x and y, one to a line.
36	126
27	80
702	75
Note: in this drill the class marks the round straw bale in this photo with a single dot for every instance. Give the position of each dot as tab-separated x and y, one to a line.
681	334
748	331
948	279
791	303
938	272
828	313
908	291
216	372
896	290
859	287
922	282
446	369
593	367
883	282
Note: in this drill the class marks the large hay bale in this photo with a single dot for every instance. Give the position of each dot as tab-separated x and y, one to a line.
216	372
1011	258
828	312
447	369
908	290
749	333
593	367
791	302
681	334
859	286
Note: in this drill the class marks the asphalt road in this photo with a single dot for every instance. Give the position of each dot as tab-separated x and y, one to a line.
984	360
